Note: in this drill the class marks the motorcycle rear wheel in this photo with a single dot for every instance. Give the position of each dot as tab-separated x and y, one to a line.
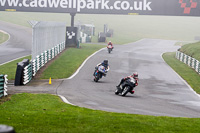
125	91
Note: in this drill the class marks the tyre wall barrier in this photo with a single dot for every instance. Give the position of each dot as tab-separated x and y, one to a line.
27	70
84	38
85	32
19	76
88	29
3	85
107	31
192	62
101	37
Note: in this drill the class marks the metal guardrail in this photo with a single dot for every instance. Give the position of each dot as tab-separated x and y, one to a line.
48	41
27	74
46	56
3	85
192	62
27	70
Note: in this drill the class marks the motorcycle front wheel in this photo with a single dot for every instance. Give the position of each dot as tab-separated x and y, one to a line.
116	92
109	50
96	78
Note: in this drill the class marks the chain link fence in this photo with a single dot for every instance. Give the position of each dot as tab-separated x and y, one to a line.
47	35
48	40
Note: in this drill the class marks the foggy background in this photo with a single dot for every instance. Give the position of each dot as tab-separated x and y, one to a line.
127	28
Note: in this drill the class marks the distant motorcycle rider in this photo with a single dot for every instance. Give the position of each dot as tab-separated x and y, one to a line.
134	75
105	64
110	43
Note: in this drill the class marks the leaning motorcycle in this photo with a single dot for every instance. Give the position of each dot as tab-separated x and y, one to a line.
109	47
99	72
127	86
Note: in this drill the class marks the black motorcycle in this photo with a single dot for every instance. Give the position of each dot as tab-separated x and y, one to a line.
127	86
99	72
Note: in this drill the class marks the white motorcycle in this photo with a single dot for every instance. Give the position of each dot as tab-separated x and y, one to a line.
100	71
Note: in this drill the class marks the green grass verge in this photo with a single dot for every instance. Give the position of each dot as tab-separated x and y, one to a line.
3	37
192	50
62	67
45	113
187	73
10	68
69	61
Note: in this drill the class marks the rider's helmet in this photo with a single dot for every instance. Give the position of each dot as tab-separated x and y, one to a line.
105	62
135	75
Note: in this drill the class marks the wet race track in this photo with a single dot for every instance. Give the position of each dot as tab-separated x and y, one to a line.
18	45
160	92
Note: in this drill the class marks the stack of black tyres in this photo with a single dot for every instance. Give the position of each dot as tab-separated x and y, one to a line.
19	72
101	37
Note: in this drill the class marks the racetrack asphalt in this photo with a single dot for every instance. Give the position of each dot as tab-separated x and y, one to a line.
161	92
19	44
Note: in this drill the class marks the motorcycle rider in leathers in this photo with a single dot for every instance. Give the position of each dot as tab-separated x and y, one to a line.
105	64
110	43
134	75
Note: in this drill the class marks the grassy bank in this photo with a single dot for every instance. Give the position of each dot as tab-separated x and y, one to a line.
3	37
63	67
44	113
10	68
69	61
183	70
192	50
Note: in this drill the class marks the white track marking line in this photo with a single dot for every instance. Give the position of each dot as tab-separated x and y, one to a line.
181	78
62	97
84	64
5	33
